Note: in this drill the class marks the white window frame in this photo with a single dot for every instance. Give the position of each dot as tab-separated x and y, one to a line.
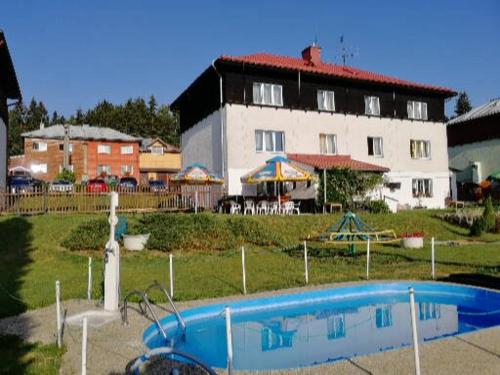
324	144
39	147
157	150
422	187
103	149
70	147
326	100
381	140
126	169
274	134
103	168
259	97
39	168
417	110
372	105
127	150
420	149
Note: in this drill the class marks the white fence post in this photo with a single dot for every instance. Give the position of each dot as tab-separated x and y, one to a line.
229	340
196	201
306	267
433	259
244	270
84	346
368	259
58	314
89	283
171	267
414	330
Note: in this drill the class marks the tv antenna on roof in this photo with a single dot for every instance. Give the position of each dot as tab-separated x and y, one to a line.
345	52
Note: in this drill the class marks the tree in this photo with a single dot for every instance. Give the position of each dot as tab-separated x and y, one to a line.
463	104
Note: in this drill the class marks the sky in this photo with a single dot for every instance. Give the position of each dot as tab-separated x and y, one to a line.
73	54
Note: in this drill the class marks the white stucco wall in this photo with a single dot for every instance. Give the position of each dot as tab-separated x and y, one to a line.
202	144
302	129
485	152
3	155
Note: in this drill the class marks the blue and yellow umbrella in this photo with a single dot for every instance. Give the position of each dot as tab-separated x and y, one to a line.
277	169
196	174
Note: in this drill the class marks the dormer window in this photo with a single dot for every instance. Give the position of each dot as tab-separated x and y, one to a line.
158	150
326	100
372	106
267	94
417	110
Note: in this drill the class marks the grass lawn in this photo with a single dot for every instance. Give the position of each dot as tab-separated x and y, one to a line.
32	259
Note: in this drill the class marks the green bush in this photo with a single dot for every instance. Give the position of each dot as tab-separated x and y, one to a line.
202	232
478	227
377	207
489	215
66	175
91	235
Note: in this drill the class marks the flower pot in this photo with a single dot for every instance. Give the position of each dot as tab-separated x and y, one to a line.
413	242
135	242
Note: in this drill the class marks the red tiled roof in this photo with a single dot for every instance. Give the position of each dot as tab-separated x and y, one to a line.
335	161
347	72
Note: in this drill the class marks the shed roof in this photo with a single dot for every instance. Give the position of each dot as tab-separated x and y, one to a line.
485	110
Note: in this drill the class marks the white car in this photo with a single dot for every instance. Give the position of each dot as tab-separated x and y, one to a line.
61	186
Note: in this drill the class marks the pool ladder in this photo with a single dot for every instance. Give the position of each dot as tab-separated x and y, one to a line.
145	299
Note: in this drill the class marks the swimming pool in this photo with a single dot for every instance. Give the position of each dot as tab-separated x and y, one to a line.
316	327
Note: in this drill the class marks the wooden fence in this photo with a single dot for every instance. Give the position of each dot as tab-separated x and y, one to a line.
41	200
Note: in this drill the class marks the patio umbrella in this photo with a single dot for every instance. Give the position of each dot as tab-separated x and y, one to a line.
494	176
277	169
196	174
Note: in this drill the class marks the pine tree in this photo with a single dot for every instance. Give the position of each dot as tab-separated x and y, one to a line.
463	104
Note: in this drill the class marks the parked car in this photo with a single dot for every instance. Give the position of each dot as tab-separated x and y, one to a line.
97	185
61	186
20	184
127	184
157	185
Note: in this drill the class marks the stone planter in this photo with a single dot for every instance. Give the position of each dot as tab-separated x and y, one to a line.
412	242
135	242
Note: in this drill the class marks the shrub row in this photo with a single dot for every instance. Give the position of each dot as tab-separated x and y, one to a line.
90	235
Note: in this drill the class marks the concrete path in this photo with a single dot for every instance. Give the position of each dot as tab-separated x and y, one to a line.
112	346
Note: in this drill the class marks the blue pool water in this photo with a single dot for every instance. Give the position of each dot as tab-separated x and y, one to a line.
315	327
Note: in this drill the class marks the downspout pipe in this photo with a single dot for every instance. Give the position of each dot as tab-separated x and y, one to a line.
221	104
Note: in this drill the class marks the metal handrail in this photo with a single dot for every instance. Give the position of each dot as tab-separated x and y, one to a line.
145	299
157	285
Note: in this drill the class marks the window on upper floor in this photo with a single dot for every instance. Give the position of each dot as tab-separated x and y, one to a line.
70	147
375	146
267	94
127	170
326	100
372	105
158	150
269	140
420	149
422	187
39	146
127	150
417	110
328	144
103	149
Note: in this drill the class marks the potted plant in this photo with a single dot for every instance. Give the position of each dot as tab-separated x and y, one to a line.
412	240
134	240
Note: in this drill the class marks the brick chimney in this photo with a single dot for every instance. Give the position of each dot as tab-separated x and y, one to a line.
312	54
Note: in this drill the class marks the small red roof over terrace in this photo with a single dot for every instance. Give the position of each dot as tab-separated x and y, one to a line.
335	161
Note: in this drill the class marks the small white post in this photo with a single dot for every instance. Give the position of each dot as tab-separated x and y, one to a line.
244	270
84	347
171	267
89	283
306	268
58	314
229	340
414	330
368	259
196	201
433	259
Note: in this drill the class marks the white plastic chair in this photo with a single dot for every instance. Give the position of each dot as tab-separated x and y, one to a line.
262	208
296	208
235	208
249	207
287	208
274	208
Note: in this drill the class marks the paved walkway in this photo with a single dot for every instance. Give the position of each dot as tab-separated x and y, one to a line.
112	346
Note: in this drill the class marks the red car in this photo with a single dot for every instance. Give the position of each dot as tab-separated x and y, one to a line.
97	185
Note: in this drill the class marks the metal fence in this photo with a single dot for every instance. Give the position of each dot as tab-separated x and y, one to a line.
41	200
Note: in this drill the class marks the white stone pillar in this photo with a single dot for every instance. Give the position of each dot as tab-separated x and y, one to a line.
112	262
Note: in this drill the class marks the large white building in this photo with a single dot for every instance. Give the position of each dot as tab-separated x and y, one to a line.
243	110
9	89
